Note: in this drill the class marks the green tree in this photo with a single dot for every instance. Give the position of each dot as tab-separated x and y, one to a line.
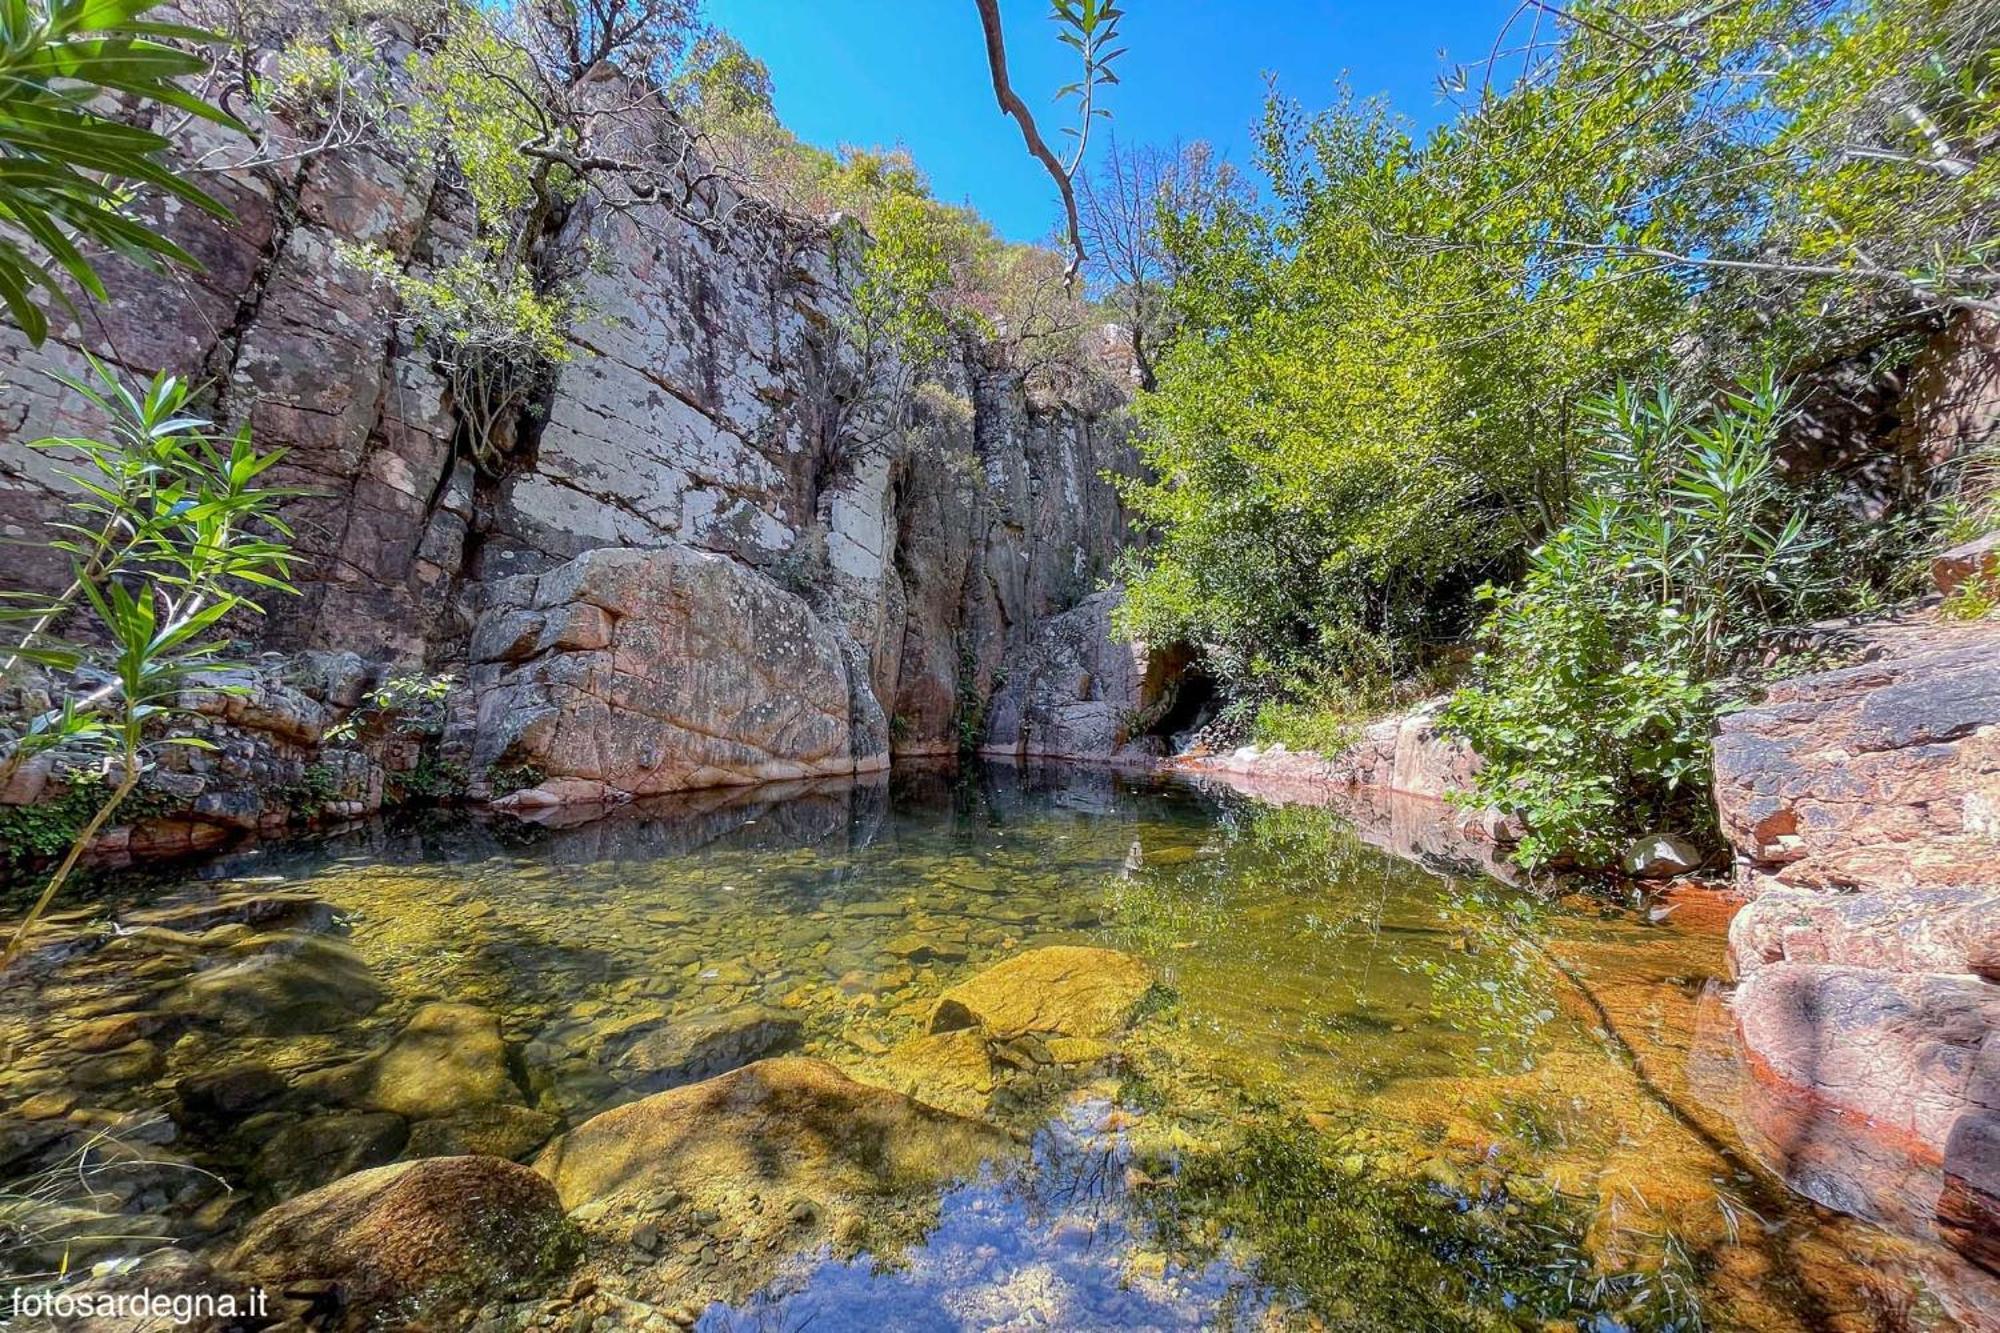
1372	404
1593	702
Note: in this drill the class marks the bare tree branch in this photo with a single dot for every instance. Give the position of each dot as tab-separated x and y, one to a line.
1012	105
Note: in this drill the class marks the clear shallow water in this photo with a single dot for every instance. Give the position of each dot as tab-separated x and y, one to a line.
1365	1094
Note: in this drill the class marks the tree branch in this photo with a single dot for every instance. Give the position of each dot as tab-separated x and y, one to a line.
1012	105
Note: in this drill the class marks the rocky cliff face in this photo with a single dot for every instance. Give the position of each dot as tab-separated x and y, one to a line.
892	560
1862	802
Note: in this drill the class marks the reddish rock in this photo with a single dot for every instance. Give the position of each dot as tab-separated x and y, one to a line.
1908	1054
1898	930
1882	775
709	675
410	1244
1976	559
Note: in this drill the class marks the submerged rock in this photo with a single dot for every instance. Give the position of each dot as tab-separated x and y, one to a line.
280	984
487	1131
447	1058
411	1244
952	1070
231	1090
789	1127
687	1050
326	1147
1061	991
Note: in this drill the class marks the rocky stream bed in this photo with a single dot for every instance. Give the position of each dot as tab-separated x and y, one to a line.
1031	1049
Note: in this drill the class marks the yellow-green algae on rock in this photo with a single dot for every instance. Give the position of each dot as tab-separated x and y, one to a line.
1057	991
787	1124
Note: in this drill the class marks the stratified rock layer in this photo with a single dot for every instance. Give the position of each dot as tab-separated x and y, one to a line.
1881	775
1062	990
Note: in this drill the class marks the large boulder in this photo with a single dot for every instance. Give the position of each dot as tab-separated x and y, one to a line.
782	1128
1898	930
1881	775
1864	805
1074	690
1910	1053
448	1058
409	1245
1878	1093
638	672
1059	991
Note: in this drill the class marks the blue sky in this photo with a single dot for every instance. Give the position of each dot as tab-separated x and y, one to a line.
883	72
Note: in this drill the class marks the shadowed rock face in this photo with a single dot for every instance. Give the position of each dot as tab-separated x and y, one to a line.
1075	690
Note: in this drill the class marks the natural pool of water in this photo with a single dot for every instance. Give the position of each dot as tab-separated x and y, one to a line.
1362	1092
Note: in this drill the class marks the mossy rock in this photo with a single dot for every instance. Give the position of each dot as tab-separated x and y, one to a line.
1060	991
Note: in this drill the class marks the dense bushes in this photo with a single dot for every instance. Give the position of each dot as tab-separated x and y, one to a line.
1380	424
1373	405
1593	701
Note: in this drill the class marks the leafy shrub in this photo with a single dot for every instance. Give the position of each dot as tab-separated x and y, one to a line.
1594	703
431	779
515	777
1974	599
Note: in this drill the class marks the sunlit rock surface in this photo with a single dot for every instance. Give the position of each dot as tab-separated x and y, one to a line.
1882	775
1059	991
649	671
1862	804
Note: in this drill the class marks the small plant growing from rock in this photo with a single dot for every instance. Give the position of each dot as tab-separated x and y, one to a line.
169	534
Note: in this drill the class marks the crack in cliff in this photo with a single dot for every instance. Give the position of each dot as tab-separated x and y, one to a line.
219	364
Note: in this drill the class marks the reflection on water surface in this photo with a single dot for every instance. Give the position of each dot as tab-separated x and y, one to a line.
1361	1093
